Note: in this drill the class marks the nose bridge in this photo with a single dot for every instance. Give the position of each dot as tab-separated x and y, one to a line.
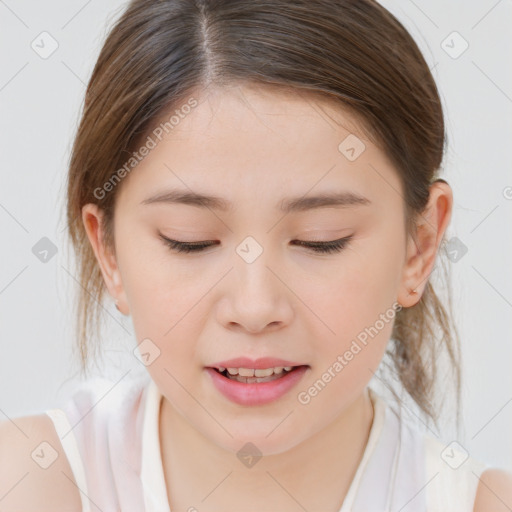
251	267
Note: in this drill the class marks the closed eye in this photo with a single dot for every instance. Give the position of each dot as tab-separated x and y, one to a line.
319	247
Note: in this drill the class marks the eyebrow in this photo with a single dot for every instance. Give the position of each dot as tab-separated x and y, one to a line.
288	204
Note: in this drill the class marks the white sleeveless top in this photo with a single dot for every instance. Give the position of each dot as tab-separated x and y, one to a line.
110	435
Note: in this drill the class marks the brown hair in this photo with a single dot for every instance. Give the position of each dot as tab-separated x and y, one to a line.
352	52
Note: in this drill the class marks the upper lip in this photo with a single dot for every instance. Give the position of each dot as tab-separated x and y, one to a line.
246	362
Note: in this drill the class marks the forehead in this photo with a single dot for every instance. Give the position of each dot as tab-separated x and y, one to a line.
248	142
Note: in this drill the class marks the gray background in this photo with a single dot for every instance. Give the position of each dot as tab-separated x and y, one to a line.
40	101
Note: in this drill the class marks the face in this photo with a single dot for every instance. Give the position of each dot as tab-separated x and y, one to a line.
259	287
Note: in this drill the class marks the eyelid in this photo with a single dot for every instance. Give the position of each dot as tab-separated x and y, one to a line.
316	246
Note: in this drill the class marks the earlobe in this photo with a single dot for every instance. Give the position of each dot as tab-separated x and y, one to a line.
411	286
92	217
423	245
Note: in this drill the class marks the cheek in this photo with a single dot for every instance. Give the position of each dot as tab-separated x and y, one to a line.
162	300
358	303
152	280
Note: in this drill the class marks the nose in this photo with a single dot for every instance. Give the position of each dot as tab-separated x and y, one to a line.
256	298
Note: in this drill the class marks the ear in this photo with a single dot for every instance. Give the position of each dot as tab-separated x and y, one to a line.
422	247
92	217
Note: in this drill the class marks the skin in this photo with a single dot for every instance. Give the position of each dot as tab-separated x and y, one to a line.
254	146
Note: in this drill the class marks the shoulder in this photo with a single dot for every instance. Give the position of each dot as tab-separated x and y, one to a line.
34	471
456	480
494	491
470	481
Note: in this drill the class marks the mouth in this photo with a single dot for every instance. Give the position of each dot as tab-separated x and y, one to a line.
259	375
244	386
252	382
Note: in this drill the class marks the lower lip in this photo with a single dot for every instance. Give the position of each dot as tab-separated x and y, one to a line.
256	393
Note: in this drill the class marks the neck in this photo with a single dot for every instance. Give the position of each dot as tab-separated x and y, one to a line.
313	475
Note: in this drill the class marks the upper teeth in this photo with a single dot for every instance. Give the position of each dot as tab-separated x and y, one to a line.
260	372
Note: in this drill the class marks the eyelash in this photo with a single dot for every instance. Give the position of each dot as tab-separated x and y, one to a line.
318	247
